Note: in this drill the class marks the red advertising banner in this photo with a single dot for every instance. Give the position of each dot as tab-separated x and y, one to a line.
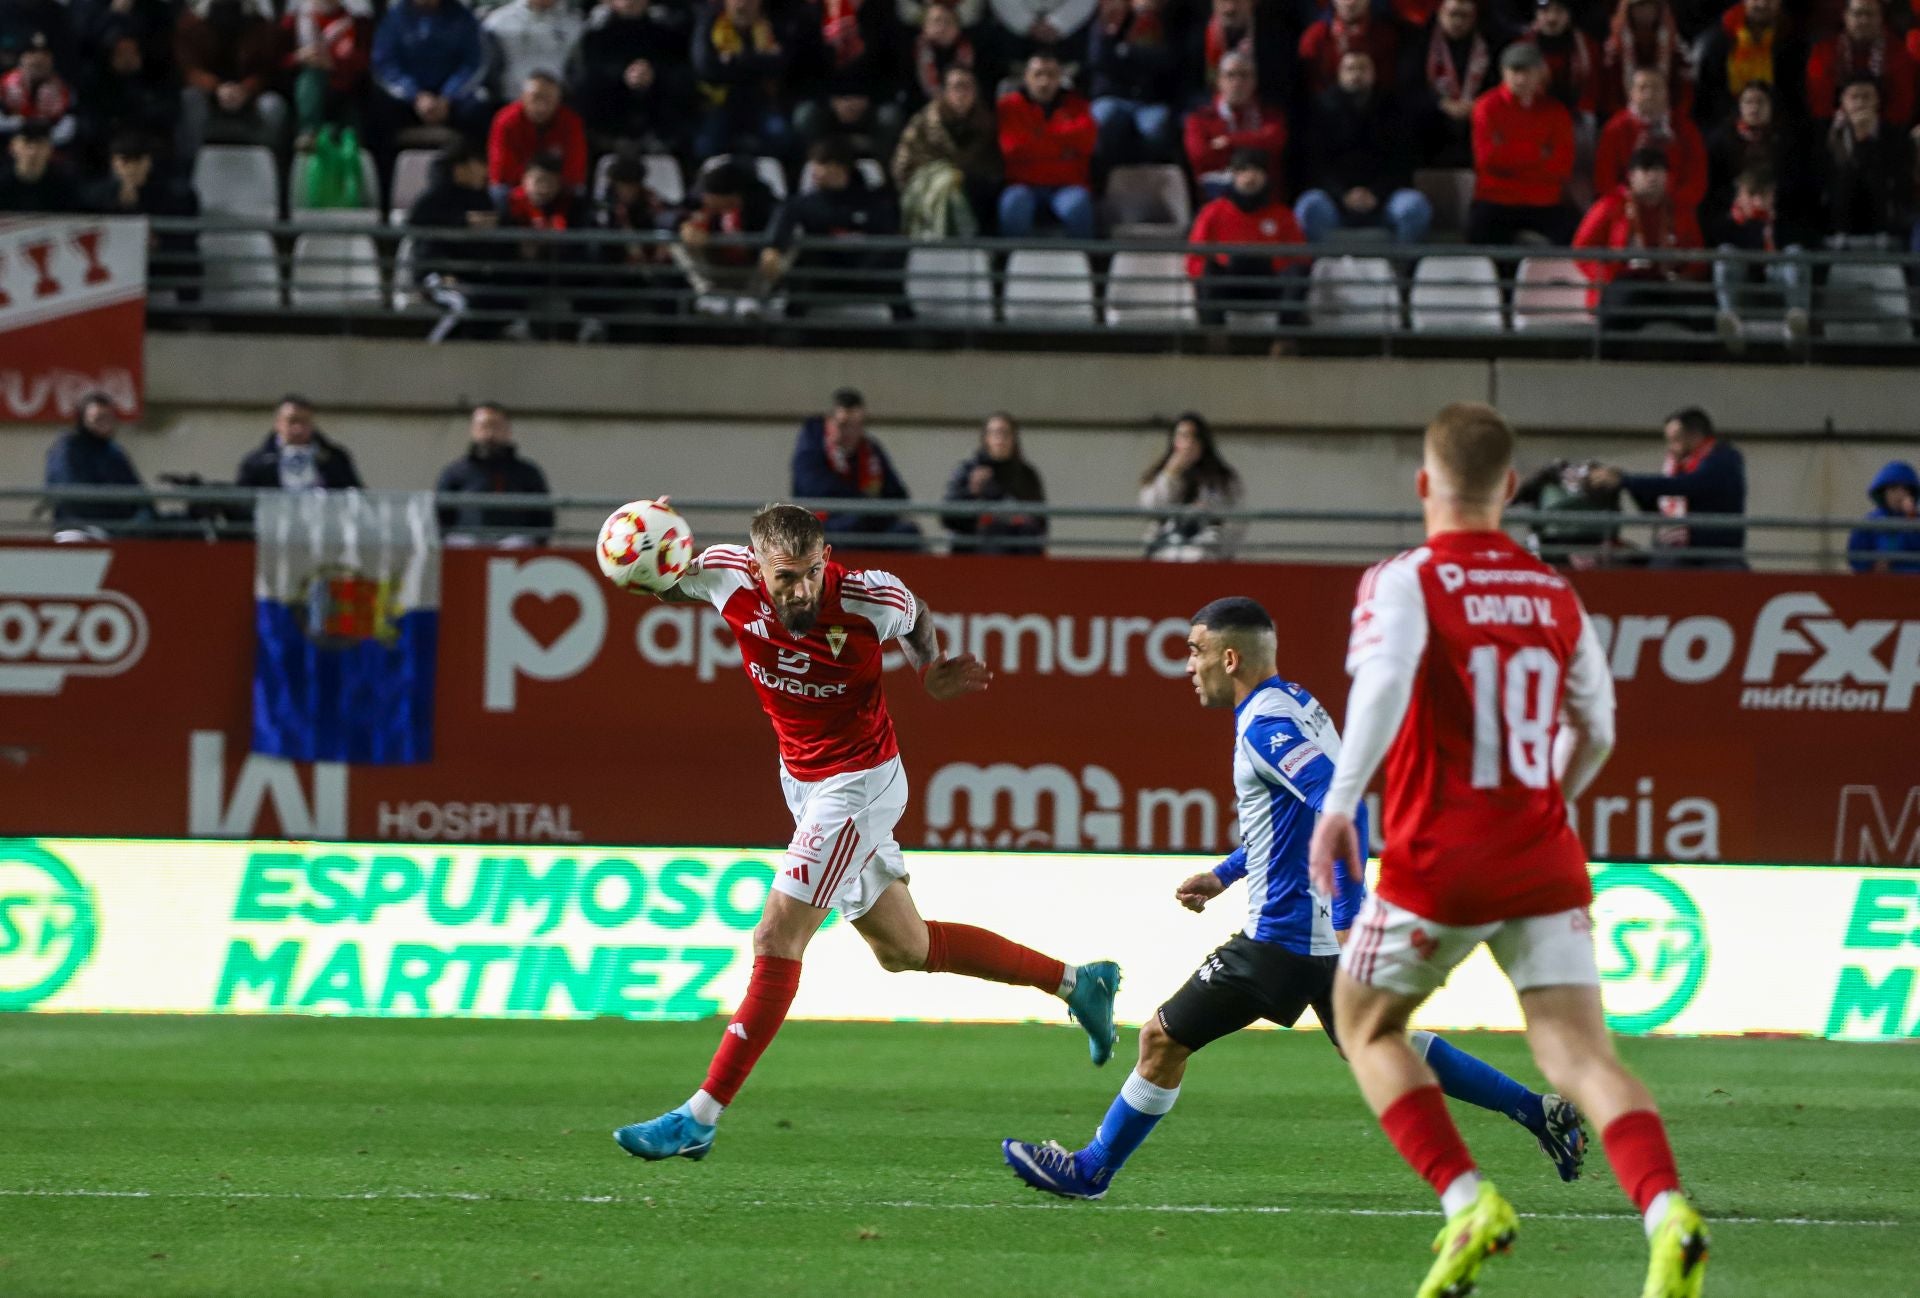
73	315
1762	717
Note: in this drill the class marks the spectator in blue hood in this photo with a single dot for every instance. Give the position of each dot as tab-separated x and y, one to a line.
88	456
1895	492
834	459
429	65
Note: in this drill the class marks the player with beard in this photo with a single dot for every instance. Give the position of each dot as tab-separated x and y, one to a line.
811	636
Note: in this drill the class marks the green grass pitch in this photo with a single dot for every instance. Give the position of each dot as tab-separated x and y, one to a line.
251	1156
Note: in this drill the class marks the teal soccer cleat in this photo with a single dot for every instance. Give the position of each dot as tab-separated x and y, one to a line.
671	1135
1091	1006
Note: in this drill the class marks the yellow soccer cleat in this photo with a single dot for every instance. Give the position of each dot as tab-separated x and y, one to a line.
1484	1227
1679	1264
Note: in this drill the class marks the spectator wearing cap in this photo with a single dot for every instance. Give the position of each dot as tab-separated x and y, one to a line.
1862	48
329	50
1751	45
1522	156
1348	25
34	91
89	455
740	57
837	211
1868	173
1132	82
1047	138
1358	164
1644	34
835	459
136	187
1704	475
1895	493
454	273
32	181
1249	212
1235	118
536	122
947	165
1641	214
230	54
730	206
629	76
1647	122
429	70
296	455
1572	58
532	36
1453	74
493	466
995	474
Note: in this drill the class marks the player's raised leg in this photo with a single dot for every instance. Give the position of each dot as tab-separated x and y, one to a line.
1552	1119
779	941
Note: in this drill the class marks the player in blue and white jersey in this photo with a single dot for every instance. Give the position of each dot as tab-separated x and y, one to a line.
1283	960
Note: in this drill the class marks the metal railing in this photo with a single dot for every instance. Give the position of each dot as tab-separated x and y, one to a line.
346	274
1576	538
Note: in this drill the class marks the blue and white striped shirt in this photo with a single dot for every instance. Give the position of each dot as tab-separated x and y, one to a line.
1284	749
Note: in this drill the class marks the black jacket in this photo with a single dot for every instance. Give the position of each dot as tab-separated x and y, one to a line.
1868	186
1143	72
1717	486
261	468
79	459
1012	480
855	210
1358	145
445	205
502	472
55	191
596	74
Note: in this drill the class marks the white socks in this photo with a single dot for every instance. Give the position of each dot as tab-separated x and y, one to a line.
1068	981
705	1109
1657	1210
1143	1096
1461	1194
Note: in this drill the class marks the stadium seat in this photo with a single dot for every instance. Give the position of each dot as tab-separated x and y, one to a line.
352	218
853	313
1876	298
336	270
1353	293
663	177
950	286
412	173
238	180
242	270
1450	190
1049	286
1147	202
406	295
369	186
1550	296
872	172
1150	288
1456	295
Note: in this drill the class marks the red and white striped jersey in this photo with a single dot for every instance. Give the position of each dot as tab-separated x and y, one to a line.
1494	642
821	690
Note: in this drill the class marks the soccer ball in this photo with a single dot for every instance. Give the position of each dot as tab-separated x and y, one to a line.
644	546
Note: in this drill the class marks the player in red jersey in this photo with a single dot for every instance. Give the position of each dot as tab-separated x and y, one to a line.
1465	655
811	635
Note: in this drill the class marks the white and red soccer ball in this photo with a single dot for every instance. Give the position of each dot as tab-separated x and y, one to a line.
645	546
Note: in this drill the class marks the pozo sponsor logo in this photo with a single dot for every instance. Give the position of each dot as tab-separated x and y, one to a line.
1652	944
47	925
56	621
1872	665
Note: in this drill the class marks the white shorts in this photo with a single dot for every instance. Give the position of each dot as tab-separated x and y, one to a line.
1396	950
843	854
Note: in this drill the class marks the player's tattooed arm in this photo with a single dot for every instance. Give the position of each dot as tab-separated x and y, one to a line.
945	678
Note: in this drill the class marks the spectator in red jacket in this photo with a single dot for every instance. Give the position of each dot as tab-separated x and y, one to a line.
1645	35
1047	135
1234	119
1347	26
534	123
1250	212
1453	73
1522	156
1573	60
1647	123
1863	47
331	49
1641	215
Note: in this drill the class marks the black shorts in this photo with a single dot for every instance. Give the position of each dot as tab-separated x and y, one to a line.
1244	980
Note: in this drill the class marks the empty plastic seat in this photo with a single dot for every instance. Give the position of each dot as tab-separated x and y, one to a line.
336	270
1353	293
1049	286
239	180
950	285
1149	201
1876	298
872	172
1149	288
1450	191
242	270
1551	294
297	185
412	173
353	218
1456	295
663	177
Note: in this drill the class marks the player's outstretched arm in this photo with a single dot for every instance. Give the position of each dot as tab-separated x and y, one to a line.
945	678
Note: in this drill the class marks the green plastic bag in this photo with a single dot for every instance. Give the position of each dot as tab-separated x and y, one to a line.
333	177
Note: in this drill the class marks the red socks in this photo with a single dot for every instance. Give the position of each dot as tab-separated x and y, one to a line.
1422	1130
976	953
762	1011
1642	1160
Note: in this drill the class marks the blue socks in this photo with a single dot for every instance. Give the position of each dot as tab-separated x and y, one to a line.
1131	1119
1468	1079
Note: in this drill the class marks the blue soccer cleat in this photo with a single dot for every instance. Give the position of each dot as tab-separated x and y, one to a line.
1053	1169
1091	1006
671	1135
1565	1138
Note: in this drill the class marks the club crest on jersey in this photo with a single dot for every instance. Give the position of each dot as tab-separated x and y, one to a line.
836	639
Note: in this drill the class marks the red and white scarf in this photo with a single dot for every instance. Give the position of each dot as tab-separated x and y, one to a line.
840	27
1237	120
1624	48
1676	535
1444	75
1748	210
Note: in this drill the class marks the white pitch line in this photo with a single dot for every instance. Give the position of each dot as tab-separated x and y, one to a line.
1257	1210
